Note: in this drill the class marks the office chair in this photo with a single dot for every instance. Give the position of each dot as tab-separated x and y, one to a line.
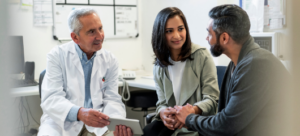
220	73
142	100
41	81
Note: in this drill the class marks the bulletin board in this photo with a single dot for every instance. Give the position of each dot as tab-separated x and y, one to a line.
118	17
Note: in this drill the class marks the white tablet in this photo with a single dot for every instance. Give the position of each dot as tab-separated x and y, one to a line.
134	124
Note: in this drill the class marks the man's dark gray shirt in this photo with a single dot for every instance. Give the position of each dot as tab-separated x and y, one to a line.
249	99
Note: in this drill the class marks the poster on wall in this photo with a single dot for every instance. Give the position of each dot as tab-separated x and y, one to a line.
275	13
42	13
265	14
255	10
126	21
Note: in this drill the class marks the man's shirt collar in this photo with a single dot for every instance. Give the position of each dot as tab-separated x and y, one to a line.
81	54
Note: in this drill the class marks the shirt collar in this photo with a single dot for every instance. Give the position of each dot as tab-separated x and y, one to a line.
81	54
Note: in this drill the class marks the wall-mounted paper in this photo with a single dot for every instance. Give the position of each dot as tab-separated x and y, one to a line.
275	13
276	23
221	2
26	2
42	13
266	16
126	20
255	11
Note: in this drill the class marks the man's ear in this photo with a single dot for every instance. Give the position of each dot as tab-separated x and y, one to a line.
75	37
224	38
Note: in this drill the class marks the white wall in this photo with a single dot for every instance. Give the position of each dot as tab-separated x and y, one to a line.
38	41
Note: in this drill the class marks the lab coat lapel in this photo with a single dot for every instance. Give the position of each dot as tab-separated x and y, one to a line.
189	83
75	58
97	62
170	99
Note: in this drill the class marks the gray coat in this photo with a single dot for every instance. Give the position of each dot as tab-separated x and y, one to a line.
199	86
249	98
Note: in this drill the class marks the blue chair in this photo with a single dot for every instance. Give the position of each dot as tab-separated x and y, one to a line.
220	72
41	81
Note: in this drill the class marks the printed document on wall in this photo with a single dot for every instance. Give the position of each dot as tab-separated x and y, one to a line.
275	13
126	21
255	11
221	2
276	23
266	14
26	2
42	13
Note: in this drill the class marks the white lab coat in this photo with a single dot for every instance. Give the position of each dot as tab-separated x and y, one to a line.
64	86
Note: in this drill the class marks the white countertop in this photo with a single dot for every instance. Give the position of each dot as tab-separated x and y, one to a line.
25	91
142	83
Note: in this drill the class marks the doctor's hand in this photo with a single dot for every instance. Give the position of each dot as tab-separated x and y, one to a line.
92	117
166	115
122	130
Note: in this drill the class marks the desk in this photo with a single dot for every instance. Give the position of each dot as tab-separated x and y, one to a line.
142	83
25	91
34	90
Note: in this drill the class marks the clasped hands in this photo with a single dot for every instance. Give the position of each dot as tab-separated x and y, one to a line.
95	118
174	118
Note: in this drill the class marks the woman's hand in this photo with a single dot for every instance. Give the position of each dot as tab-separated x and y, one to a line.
166	115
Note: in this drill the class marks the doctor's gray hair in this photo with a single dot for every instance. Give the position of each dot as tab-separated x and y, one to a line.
73	19
231	19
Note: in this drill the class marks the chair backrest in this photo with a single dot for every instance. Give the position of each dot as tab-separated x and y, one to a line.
220	72
41	81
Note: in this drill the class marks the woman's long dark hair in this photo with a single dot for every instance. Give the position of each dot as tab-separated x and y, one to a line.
159	42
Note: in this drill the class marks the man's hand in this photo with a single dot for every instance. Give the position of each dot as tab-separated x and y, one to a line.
177	123
183	112
121	130
165	116
92	117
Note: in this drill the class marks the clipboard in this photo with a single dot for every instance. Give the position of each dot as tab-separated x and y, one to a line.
134	124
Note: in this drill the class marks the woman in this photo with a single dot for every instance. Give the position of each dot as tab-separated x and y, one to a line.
183	72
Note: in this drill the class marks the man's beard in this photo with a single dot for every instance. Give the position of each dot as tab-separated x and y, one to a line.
216	50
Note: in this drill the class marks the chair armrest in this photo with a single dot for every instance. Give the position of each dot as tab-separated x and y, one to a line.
149	117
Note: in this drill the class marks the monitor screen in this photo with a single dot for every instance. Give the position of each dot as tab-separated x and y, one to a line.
16	53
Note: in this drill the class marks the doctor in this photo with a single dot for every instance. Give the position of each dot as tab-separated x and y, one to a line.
79	89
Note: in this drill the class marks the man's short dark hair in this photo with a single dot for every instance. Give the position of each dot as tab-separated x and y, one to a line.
231	19
159	41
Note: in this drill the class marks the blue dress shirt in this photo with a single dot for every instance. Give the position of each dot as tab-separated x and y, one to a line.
87	66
